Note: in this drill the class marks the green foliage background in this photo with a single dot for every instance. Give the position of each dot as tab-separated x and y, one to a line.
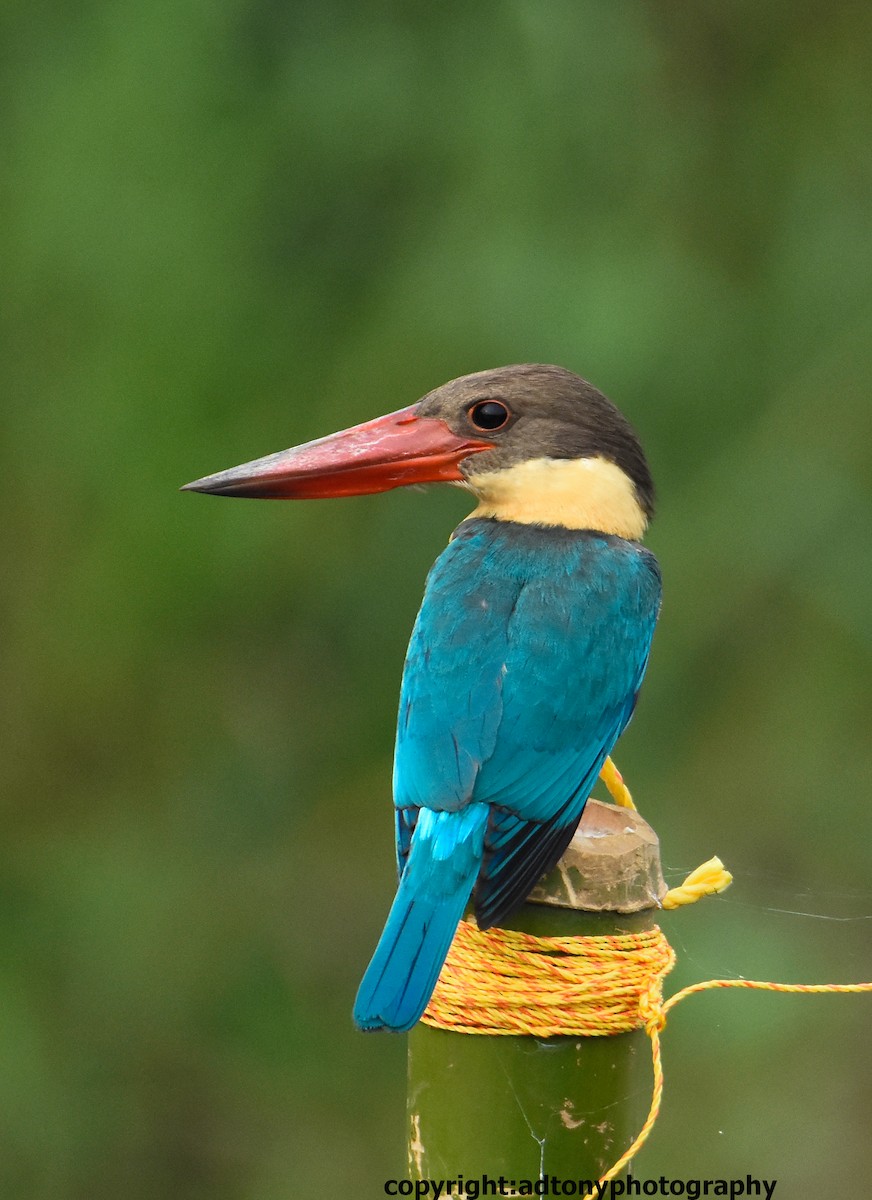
233	225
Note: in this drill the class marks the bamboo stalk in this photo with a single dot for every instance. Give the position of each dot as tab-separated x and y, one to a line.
525	1107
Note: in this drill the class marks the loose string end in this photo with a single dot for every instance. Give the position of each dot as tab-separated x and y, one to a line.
707	880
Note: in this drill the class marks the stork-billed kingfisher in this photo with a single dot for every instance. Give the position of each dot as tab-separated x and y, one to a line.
527	655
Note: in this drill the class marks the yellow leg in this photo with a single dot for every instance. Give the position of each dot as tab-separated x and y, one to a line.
614	781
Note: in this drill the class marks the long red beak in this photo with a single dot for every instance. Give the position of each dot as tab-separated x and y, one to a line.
389	452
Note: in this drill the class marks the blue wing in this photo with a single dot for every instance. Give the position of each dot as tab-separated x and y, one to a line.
522	672
523	669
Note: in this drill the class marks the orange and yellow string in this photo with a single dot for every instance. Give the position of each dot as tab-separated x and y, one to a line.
501	981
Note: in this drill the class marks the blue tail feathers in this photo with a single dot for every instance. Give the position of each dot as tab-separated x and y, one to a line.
443	864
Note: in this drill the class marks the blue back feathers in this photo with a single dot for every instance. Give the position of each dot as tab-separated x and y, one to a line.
522	671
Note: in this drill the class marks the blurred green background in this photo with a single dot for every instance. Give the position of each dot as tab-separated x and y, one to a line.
232	226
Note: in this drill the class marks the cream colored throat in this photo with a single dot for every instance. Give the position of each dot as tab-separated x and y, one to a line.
575	493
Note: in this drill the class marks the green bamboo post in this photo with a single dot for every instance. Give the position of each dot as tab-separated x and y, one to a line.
525	1107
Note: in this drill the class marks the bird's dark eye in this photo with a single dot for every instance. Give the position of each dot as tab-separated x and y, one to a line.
489	415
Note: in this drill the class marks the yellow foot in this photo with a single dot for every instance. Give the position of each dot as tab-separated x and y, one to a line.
614	781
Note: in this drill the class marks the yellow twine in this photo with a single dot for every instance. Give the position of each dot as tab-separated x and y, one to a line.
614	781
502	981
709	879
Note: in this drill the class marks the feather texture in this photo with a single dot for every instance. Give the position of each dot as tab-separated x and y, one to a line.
522	671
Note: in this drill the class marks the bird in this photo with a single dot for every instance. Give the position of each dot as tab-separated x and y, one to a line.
527	655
